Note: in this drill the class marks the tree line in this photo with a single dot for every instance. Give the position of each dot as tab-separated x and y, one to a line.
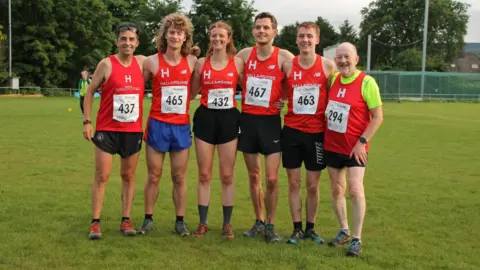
53	40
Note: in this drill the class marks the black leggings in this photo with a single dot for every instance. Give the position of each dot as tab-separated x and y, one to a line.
81	103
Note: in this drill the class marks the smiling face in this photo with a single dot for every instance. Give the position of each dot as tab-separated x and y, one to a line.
307	39
346	59
175	38
264	31
219	38
127	42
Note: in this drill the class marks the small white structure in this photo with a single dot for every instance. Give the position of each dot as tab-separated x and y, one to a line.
329	52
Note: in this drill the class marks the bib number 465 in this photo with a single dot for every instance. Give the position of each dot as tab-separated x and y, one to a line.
174	100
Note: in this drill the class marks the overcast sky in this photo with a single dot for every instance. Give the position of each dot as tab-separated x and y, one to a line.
336	11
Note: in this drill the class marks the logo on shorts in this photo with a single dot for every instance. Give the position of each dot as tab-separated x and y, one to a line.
319	151
99	136
140	141
276	141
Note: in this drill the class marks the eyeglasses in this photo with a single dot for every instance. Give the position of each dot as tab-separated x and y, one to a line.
129	28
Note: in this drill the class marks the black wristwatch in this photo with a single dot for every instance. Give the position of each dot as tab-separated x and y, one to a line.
363	140
86	122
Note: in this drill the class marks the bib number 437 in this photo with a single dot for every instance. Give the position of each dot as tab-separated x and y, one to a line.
125	107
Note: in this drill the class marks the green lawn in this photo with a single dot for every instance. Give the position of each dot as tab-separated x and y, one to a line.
422	188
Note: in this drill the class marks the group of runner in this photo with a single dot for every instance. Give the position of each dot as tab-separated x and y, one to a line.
333	112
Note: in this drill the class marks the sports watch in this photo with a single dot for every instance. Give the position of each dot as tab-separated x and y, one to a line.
85	122
363	140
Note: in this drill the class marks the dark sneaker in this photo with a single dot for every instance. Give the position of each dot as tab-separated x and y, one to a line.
181	229
95	233
311	234
227	232
147	226
296	236
355	248
258	228
341	238
127	229
201	230
270	235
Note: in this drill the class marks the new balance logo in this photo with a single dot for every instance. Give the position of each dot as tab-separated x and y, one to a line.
276	141
318	74
341	92
230	74
183	72
271	67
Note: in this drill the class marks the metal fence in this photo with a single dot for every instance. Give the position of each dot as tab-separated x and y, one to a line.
437	86
394	85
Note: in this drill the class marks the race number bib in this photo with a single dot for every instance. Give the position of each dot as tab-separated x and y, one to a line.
305	99
174	99
126	107
220	98
337	114
258	92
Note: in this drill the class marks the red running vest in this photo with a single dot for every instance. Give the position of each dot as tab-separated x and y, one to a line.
218	86
171	92
121	103
262	84
307	97
347	116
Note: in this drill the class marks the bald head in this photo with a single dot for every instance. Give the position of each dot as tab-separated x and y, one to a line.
346	59
347	47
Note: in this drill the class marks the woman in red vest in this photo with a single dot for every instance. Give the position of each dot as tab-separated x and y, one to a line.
216	122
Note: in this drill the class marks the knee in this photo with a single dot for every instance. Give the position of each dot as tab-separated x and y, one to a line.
178	179
312	188
254	178
227	178
127	177
204	177
101	178
294	185
356	192
154	176
338	191
272	182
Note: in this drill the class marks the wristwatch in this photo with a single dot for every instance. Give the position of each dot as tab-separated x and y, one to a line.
363	140
86	122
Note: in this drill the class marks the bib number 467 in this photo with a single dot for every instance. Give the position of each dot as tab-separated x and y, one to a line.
257	91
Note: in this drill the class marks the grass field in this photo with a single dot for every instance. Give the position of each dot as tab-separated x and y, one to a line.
422	188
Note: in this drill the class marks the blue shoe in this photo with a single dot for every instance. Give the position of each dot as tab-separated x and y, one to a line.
311	234
296	236
355	248
258	228
270	235
147	226
181	229
341	238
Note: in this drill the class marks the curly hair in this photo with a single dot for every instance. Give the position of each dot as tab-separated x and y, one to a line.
230	47
177	21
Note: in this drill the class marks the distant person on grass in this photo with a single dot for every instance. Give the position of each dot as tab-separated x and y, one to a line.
119	123
354	113
82	87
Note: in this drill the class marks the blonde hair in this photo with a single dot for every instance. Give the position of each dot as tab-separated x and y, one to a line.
177	21
310	25
231	50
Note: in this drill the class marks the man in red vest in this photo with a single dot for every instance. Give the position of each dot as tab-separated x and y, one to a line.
353	114
119	123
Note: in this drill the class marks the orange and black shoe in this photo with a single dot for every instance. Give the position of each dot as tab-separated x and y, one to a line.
95	233
202	229
127	229
227	232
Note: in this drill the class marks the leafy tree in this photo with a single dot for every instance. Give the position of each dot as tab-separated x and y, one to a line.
328	35
238	14
347	33
401	22
286	39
